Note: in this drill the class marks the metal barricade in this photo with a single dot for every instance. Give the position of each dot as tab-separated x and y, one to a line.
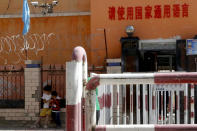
130	101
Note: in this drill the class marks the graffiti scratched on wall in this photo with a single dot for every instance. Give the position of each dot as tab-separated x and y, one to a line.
13	48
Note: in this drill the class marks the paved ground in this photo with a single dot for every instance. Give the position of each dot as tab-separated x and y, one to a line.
24	126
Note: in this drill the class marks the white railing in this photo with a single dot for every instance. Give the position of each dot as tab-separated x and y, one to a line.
138	99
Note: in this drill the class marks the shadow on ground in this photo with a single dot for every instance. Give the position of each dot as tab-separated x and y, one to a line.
26	125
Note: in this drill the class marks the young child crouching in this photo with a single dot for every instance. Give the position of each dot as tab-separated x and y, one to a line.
46	111
55	107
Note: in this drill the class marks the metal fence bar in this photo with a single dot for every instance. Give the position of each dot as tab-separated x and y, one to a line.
3	87
104	107
145	105
161	107
7	88
138	103
131	104
111	108
150	104
124	105
157	106
54	75
186	105
153	106
192	104
172	106
117	96
165	107
169	108
20	88
177	107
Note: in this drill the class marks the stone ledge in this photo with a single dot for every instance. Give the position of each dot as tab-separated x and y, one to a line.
12	110
28	70
32	62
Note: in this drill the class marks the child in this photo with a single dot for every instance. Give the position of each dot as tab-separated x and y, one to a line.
55	107
46	111
97	105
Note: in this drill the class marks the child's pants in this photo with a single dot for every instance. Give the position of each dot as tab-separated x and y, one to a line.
56	118
97	116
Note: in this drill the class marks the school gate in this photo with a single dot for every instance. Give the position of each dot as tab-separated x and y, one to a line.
157	101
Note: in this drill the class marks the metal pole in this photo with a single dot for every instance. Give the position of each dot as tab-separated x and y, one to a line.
118	115
172	107
150	105
145	105
131	104
124	105
111	108
154	106
138	103
186	104
178	107
192	104
25	46
165	107
161	107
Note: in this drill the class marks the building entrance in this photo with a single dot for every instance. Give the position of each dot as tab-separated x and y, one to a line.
157	55
155	61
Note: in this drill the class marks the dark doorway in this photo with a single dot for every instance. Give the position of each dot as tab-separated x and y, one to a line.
149	62
152	61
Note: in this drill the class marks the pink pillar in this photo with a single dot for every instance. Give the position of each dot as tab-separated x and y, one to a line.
76	77
73	96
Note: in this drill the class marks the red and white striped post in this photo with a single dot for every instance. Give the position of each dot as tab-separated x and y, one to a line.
74	87
192	104
76	74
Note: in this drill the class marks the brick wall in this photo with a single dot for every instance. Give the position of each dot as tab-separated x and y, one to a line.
32	96
32	92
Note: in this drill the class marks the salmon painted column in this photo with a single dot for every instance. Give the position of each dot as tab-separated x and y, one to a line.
74	89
